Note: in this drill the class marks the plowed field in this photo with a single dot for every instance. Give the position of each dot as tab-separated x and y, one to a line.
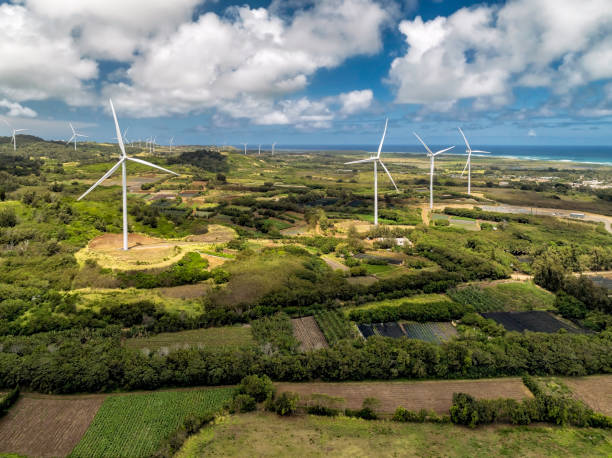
307	331
434	395
595	391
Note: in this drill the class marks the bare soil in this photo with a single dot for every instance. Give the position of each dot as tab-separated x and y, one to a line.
434	395
307	331
595	391
186	291
38	426
108	242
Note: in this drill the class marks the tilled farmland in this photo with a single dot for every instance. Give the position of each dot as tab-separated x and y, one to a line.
434	395
535	321
307	332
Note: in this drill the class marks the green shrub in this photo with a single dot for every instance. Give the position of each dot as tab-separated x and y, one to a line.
259	388
242	403
569	306
8	218
8	401
285	404
432	311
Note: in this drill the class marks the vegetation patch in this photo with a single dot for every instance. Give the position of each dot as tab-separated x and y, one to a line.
504	297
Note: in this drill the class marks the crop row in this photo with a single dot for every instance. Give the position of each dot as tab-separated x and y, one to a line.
334	326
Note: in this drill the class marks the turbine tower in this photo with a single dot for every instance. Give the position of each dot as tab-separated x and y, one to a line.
245	145
273	145
259	150
468	164
122	162
431	169
13	136
171	142
75	134
375	160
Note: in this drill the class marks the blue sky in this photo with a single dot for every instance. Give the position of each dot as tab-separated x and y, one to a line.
310	71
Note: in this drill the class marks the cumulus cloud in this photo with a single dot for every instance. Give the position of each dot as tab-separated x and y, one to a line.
248	61
113	29
40	61
485	51
355	101
16	109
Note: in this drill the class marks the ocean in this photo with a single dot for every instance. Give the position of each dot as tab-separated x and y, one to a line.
585	154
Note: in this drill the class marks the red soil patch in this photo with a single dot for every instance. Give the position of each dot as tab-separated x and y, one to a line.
38	426
433	395
107	242
595	391
307	331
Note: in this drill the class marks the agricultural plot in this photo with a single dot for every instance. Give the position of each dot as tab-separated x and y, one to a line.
430	332
595	391
435	395
334	326
535	321
389	330
47	426
367	330
505	297
135	425
307	332
224	336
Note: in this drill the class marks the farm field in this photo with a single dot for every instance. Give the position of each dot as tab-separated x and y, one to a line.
334	326
418	299
536	321
307	332
43	426
435	395
430	332
595	391
264	434
505	297
226	336
135	425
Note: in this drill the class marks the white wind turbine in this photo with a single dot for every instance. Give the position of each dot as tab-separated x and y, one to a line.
375	160
468	164
13	136
273	145
75	134
171	142
431	155
122	162
259	150
245	145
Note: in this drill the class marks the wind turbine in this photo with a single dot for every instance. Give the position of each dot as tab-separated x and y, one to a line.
171	141
245	145
14	134
431	170
122	162
375	160
273	145
468	164
259	150
75	134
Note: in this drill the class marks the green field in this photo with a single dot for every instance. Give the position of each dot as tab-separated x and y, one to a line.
261	434
135	425
514	296
225	336
418	299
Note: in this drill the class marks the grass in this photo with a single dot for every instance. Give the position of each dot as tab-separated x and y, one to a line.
135	425
263	434
225	336
375	269
506	297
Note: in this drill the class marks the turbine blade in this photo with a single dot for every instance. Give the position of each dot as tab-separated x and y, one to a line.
140	161
119	139
359	162
70	124
383	138
71	138
80	135
480	151
20	130
390	177
465	168
104	177
464	139
443	150
421	140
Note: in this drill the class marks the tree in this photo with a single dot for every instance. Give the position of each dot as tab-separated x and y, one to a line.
548	271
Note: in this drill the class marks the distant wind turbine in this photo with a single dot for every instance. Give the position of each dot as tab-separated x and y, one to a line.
431	170
122	162
245	145
171	142
75	134
375	160
273	145
14	136
468	164
259	150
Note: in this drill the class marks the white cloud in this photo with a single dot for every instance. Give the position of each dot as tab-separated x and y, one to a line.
113	29
40	61
532	133
355	101
249	61
16	109
483	52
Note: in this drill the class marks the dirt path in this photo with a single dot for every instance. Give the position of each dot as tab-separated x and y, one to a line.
335	265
